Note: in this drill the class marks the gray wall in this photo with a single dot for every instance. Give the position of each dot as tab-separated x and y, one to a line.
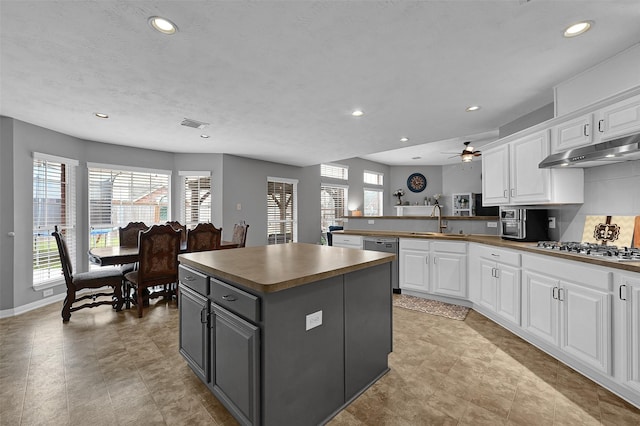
461	178
398	179
6	213
544	113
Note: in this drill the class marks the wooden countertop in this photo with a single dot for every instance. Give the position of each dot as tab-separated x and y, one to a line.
488	218
278	267
497	241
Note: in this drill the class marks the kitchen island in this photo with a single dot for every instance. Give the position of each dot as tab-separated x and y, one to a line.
286	334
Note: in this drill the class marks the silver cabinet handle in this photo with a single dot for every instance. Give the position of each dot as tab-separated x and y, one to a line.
497	275
203	315
620	291
600	126
505	193
229	298
496	255
189	278
513	192
586	130
561	294
553	293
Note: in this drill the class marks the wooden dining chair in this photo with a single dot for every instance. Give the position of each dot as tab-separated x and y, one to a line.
179	227
104	277
205	236
240	233
158	265
129	234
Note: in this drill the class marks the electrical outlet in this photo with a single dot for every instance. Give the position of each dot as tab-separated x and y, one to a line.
492	224
48	292
314	320
238	206
371	221
552	222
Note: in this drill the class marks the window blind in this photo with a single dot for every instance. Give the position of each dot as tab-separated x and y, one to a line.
54	204
335	171
373	178
282	213
333	205
196	199
117	197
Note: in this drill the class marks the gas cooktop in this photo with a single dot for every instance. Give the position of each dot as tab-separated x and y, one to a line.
613	253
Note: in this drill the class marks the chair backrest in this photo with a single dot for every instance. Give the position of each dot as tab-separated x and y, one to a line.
129	234
65	260
203	237
179	227
240	233
158	255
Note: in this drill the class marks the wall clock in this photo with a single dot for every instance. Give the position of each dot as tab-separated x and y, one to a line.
417	182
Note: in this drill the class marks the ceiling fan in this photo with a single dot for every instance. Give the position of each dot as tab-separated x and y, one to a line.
467	153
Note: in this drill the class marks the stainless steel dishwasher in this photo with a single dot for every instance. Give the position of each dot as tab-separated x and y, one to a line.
387	245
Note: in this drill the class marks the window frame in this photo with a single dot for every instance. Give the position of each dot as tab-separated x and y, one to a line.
294	213
379	181
338	220
380	192
184	175
344	168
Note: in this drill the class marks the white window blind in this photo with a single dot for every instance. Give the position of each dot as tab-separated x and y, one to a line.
373	178
282	210
335	171
333	205
54	204
120	196
373	202
196	198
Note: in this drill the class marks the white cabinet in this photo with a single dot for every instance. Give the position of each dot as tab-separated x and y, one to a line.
498	283
511	175
569	308
616	120
347	241
414	264
628	332
434	267
449	268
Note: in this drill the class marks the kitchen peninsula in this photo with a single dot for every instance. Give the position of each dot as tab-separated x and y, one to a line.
289	333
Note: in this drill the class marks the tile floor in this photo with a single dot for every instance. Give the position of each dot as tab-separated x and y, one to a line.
109	368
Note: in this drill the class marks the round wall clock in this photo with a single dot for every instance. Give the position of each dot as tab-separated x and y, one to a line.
417	182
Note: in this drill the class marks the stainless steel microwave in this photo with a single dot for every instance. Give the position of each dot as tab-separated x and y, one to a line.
524	224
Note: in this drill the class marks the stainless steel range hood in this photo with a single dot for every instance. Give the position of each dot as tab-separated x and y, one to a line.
614	151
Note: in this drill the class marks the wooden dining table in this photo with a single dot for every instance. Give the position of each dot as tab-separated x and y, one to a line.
107	256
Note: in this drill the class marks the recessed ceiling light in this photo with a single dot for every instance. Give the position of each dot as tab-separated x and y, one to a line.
203	136
101	115
404	139
163	25
578	28
357	113
472	108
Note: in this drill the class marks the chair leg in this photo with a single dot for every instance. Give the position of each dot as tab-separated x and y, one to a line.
68	301
117	293
140	300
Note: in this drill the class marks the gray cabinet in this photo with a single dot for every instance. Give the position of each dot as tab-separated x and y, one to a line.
194	311
235	361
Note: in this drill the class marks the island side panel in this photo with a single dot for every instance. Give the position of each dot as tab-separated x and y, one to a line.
303	371
368	326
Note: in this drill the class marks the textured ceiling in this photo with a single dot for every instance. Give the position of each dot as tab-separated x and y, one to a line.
277	80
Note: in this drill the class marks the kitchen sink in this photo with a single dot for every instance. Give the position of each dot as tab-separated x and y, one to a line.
436	234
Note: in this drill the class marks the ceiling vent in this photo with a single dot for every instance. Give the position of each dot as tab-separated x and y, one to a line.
194	123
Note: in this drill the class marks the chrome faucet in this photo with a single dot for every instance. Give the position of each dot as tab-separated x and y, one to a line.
441	227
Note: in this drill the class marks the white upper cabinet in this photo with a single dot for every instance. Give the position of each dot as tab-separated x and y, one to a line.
619	119
510	175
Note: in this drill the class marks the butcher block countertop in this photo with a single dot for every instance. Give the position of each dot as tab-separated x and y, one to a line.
497	241
272	268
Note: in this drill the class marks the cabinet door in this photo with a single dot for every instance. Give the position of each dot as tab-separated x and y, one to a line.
449	274
495	176
194	338
572	134
631	346
620	119
487	284
586	325
414	270
235	362
539	307
528	182
508	293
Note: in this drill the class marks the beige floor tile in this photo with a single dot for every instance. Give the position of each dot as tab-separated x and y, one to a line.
480	416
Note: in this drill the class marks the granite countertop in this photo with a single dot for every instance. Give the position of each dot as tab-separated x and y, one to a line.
497	241
272	268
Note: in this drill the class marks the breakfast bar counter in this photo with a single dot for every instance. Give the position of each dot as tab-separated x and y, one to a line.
286	334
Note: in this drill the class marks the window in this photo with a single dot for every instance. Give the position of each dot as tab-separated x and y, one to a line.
333	205
373	178
119	195
373	202
54	204
282	210
196	198
335	171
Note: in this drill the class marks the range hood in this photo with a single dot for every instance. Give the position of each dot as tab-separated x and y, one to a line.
614	151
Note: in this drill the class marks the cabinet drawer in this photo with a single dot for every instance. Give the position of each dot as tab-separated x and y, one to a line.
569	270
414	244
195	280
353	241
449	247
500	255
237	301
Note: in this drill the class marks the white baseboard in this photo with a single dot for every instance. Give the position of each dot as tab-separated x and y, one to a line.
33	305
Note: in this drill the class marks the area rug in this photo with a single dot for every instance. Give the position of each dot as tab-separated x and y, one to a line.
432	307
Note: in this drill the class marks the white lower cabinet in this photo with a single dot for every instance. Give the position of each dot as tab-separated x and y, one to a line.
499	282
347	241
628	330
569	308
433	267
